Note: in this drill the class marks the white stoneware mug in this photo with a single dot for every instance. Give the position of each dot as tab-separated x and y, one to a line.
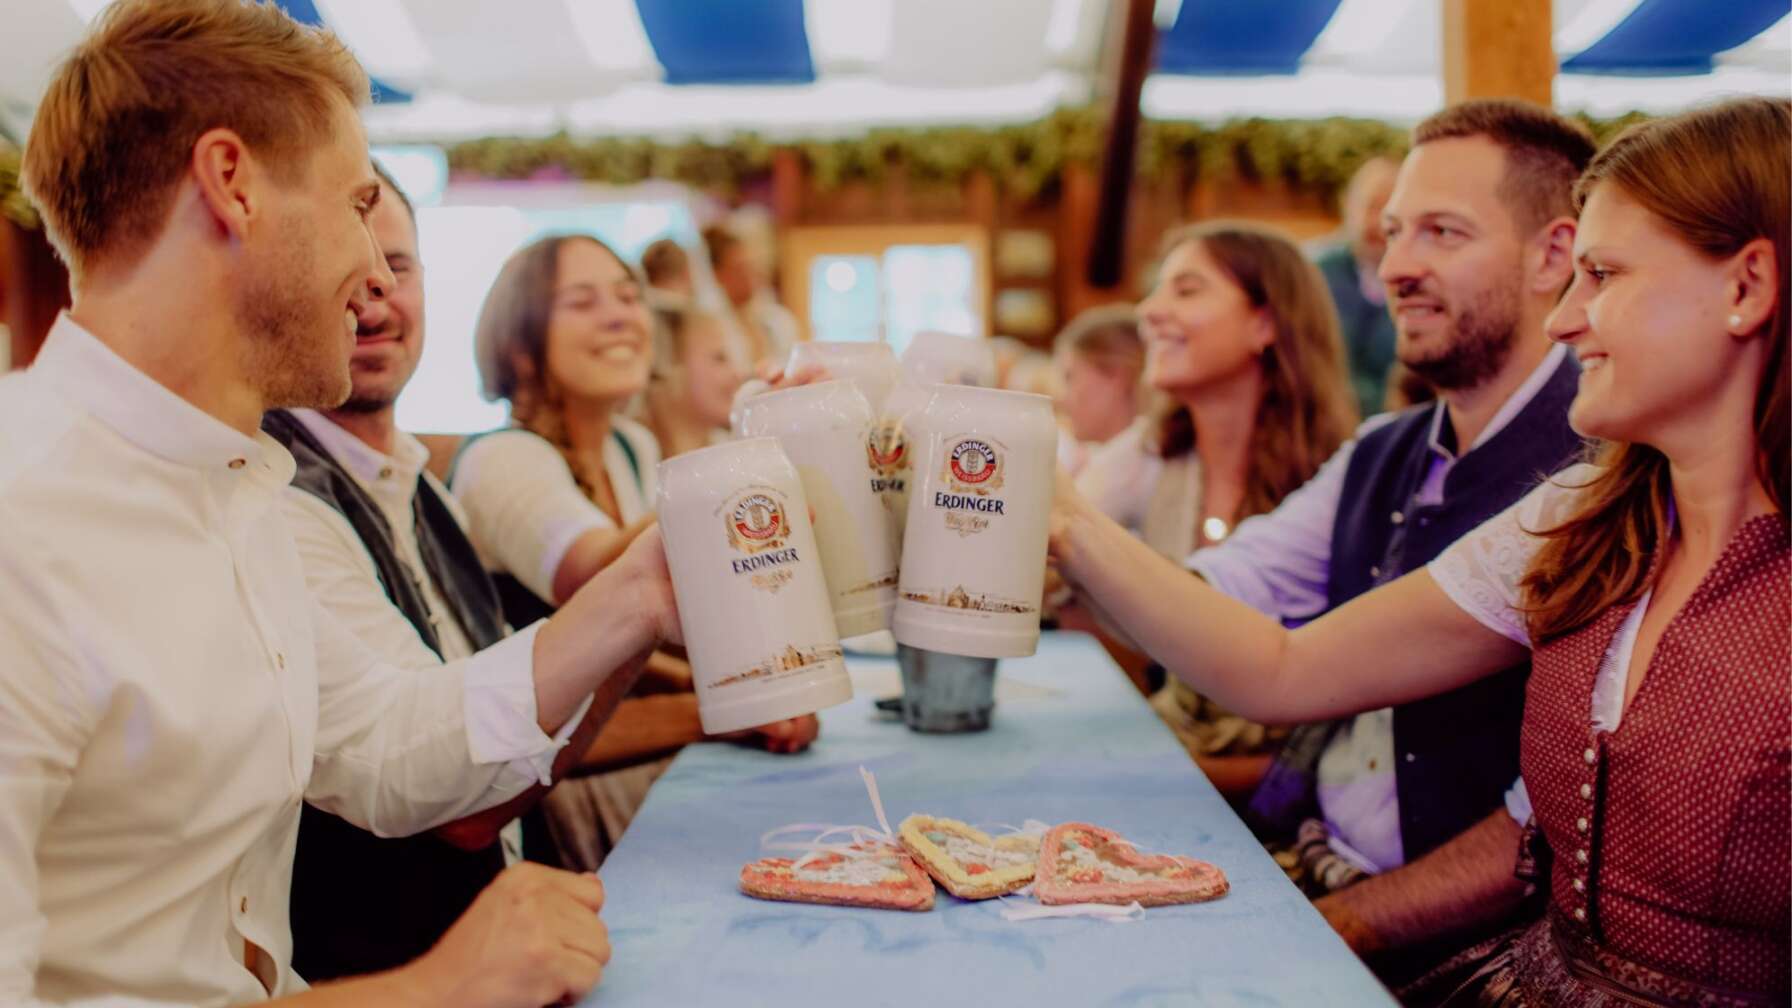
751	595
973	555
937	358
871	367
826	431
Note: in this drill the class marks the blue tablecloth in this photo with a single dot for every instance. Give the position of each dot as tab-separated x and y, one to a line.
1072	740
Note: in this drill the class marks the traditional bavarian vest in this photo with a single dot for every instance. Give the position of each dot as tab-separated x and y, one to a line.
361	903
1670	836
1455	754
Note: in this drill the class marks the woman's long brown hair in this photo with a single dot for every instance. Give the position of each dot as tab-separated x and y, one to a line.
1307	409
1719	178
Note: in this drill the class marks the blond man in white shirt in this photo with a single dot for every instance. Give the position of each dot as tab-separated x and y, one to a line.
172	690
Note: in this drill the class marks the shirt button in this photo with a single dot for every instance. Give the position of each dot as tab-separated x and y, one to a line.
1580	886
1580	914
243	907
1581	855
238	463
1590	756
280	661
1586	791
1396	518
385	472
1581	824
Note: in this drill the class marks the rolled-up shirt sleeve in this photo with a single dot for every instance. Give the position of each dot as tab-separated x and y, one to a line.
524	508
398	753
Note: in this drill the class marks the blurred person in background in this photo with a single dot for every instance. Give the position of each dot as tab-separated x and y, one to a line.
1101	367
1349	263
566	337
33	281
765	329
1242	341
694	379
667	267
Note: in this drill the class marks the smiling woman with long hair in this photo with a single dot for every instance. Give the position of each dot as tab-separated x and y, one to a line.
565	335
1241	341
1652	587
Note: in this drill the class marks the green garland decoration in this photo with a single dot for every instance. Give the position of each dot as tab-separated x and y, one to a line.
13	204
1025	159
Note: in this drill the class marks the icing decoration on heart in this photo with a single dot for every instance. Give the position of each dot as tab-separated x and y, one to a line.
969	863
1080	863
868	874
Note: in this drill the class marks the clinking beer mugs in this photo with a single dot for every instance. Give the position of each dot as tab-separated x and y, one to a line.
973	554
827	432
752	598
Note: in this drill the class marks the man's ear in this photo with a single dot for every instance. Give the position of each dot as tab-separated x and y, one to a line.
226	178
1552	257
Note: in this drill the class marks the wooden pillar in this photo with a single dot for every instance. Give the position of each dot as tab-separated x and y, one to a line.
787	187
981	209
1498	49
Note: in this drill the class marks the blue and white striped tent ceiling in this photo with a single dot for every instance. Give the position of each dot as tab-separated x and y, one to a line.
448	69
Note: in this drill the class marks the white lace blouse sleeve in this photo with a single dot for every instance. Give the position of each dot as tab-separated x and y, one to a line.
1481	572
1120	475
524	509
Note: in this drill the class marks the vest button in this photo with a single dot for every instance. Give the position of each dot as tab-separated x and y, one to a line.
1397	518
1581	855
1580	886
1581	824
1590	756
1580	914
1586	791
1374	572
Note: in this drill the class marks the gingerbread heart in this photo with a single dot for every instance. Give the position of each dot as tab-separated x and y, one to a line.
1080	863
971	864
875	875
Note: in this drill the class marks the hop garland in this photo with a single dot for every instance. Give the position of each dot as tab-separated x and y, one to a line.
1026	159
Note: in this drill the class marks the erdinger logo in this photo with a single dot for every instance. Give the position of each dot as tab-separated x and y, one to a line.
756	523
973	471
758	527
974	467
886	449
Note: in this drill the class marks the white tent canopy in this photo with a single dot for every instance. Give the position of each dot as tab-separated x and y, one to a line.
454	69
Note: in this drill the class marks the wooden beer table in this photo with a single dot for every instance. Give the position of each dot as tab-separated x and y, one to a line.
1072	740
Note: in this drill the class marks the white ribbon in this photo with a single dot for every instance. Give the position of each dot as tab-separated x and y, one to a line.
864	842
860	841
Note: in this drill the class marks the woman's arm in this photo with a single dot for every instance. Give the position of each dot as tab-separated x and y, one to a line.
1397	643
591	552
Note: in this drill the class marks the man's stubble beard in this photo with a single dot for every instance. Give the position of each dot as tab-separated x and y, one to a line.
1484	332
287	353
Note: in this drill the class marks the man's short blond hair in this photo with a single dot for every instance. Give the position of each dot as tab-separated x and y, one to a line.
117	125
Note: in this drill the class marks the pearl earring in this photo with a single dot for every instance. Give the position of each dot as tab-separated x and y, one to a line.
1735	321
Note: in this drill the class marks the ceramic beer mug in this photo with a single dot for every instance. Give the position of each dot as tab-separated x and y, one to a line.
973	555
824	429
932	358
752	599
871	367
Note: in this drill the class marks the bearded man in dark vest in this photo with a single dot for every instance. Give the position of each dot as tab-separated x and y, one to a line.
1396	819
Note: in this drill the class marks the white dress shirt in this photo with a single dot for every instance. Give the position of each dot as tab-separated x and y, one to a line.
341	572
1279	563
524	508
173	691
1482	573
